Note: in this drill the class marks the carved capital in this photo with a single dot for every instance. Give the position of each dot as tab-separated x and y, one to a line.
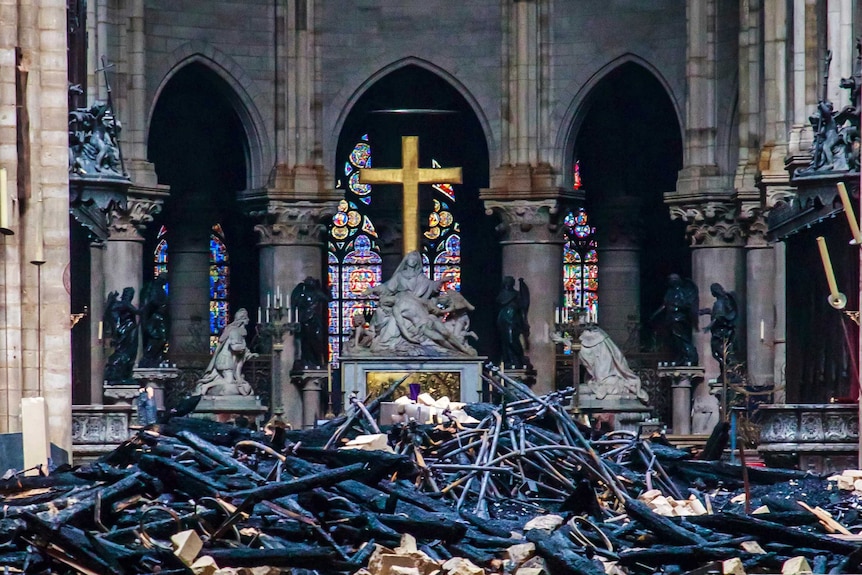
525	221
126	220
292	223
753	221
710	224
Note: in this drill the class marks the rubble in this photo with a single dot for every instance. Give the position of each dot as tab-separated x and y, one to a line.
526	490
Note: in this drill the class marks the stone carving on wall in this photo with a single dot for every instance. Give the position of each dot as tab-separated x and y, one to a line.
512	324
836	133
121	320
525	219
710	223
223	375
414	319
294	223
608	372
93	148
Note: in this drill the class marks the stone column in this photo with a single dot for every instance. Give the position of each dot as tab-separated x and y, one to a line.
189	298
760	305
291	243
717	256
97	312
618	231
532	249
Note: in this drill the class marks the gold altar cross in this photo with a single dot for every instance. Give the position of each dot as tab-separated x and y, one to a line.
410	175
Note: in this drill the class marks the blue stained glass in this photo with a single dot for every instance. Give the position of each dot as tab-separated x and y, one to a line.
364	137
366	200
348	169
580	282
218	251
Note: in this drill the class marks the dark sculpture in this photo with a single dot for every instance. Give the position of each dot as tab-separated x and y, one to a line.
512	323
154	323
836	134
310	302
122	324
93	145
679	311
722	325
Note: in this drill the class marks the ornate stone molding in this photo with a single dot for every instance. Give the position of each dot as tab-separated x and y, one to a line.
526	221
754	227
292	223
126	220
710	224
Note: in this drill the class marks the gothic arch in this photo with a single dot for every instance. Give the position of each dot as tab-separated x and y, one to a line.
242	94
581	90
437	71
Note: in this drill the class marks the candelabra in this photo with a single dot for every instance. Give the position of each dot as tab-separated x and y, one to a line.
568	324
280	319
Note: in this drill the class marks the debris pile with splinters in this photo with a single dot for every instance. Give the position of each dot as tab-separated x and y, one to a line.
526	491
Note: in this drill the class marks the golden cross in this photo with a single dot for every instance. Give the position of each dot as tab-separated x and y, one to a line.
410	175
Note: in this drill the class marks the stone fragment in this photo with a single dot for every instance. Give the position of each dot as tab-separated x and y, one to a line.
204	565
462	566
549	522
753	547
373	442
187	545
732	566
795	565
519	553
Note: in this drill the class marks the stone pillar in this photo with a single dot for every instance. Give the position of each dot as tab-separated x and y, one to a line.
291	243
97	312
779	335
189	299
532	249
760	307
717	256
618	232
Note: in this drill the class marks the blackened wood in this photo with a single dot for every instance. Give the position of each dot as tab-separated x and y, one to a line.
213	452
179	477
19	484
685	555
282	488
666	529
380	464
495	527
135	483
428	527
292	555
561	555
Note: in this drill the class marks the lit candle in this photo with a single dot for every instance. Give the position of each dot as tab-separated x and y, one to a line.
827	267
851	216
762	330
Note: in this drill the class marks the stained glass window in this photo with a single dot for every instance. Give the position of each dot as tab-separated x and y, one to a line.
219	285
160	255
580	266
576	175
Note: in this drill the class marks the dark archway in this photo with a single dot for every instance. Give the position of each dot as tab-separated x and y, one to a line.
200	149
454	137
629	146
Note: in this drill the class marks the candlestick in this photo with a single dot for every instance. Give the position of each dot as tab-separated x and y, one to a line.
851	216
836	298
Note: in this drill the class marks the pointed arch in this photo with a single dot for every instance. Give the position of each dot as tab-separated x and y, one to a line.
582	88
446	76
242	93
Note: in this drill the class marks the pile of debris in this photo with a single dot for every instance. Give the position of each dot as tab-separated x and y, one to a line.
526	490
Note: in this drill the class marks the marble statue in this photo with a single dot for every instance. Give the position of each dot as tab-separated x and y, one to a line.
223	375
608	372
154	323
679	313
310	301
722	324
704	410
414	319
121	319
514	304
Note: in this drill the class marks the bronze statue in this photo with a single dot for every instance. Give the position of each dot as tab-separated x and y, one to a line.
514	304
154	323
122	324
722	325
310	302
679	312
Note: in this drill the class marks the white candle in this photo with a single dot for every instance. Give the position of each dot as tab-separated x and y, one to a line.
101	327
258	314
762	330
4	202
268	301
277	296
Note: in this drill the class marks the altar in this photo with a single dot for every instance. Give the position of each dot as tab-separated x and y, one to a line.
457	377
